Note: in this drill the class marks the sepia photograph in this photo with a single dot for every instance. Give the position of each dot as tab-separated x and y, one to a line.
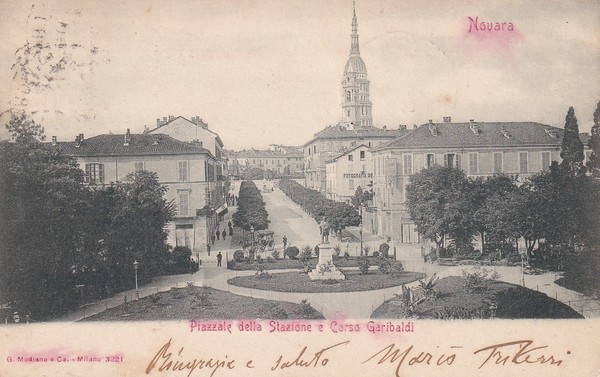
362	187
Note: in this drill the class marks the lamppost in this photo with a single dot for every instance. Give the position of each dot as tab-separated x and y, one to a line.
135	268
360	231
252	240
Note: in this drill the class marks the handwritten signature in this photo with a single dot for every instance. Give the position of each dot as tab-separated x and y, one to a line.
500	354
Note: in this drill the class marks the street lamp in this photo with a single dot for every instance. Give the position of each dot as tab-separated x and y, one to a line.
135	268
252	240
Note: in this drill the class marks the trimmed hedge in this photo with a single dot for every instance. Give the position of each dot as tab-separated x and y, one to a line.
251	208
338	215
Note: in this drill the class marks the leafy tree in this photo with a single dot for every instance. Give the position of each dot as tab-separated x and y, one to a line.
593	163
572	147
360	197
490	196
441	206
251	210
40	214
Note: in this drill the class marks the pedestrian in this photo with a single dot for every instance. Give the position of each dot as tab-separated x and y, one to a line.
219	257
218	234
212	239
208	247
229	224
230	231
284	242
224	234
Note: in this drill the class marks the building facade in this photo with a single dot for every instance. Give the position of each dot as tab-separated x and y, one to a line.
278	160
335	140
196	131
480	149
188	170
349	171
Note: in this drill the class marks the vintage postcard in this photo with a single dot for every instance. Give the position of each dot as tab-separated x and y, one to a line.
299	188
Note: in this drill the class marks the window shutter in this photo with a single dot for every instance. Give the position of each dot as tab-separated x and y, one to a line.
445	160
101	173
458	164
86	178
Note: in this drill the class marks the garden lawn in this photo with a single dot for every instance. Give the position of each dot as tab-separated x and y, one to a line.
455	302
204	303
300	282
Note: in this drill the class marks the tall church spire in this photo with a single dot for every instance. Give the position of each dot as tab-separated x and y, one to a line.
356	105
354	49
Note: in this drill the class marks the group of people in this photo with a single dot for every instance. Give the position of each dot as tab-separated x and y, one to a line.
216	236
231	199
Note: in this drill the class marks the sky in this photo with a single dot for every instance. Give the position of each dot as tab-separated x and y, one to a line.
269	71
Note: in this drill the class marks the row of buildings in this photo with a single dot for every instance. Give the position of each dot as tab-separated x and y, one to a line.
276	161
354	153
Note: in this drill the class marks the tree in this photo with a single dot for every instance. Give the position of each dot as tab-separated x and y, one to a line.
490	216
572	147
360	197
440	204
593	163
41	208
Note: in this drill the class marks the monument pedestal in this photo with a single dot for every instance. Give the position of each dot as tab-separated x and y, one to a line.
325	270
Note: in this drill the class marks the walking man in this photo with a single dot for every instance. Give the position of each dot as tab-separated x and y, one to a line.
224	234
284	242
218	234
219	257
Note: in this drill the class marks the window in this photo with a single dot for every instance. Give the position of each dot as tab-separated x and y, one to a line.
183	207
523	162
430	160
309	151
182	170
473	163
362	155
350	157
498	162
407	164
351	184
94	173
452	160
315	149
545	161
139	166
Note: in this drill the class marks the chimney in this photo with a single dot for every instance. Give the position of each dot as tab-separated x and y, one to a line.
384	127
81	137
164	120
77	141
127	138
54	140
474	127
447	119
158	124
171	117
146	129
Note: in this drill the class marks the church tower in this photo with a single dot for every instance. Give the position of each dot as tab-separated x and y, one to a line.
356	104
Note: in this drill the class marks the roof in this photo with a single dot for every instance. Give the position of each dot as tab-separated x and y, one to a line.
490	134
355	64
139	144
342	132
346	152
205	127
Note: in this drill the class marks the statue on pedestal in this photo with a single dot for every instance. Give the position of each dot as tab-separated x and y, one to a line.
324	230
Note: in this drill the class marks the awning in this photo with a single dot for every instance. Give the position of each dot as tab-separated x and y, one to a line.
222	209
